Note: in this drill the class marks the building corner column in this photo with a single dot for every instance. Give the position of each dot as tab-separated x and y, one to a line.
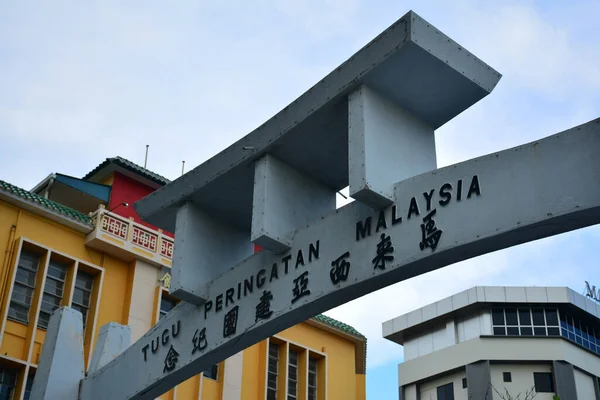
564	380
479	380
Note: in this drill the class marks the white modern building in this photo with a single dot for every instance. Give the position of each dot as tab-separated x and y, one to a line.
494	343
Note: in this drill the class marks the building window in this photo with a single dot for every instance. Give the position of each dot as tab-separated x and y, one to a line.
293	376
28	387
8	380
24	286
212	372
53	291
82	295
464	383
312	379
578	331
543	382
166	305
506	377
525	321
273	365
445	392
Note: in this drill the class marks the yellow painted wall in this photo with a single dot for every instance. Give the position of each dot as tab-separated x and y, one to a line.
254	367
70	242
361	387
210	389
341	365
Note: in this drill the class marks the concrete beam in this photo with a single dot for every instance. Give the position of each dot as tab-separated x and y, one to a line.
386	144
61	366
205	249
285	200
439	218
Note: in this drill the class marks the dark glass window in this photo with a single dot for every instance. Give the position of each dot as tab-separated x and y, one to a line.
53	291
543	382
445	392
499	331
511	316
524	316
526	331
312	379
551	316
506	377
272	371
525	321
464	383
292	375
538	317
166	305
28	387
24	286
212	372
498	316
84	283
539	331
512	331
553	332
8	380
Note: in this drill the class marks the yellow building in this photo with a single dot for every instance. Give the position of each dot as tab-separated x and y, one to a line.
61	246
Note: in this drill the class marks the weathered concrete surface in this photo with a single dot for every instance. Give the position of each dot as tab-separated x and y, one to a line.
386	144
284	200
61	366
514	196
113	339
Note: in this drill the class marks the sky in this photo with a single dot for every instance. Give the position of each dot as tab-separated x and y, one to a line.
83	81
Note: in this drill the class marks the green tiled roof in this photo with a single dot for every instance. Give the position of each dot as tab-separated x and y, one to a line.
43	202
324	319
133	167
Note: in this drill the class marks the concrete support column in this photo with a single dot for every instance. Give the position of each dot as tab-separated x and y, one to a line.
113	339
205	249
284	200
61	366
479	380
564	380
386	144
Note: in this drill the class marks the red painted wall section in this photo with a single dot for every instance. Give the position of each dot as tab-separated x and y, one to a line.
127	190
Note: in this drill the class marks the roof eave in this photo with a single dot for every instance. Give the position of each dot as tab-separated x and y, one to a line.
36	209
43	183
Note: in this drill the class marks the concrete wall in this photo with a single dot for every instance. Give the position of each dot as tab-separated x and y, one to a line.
522	379
448	333
428	390
497	349
585	385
